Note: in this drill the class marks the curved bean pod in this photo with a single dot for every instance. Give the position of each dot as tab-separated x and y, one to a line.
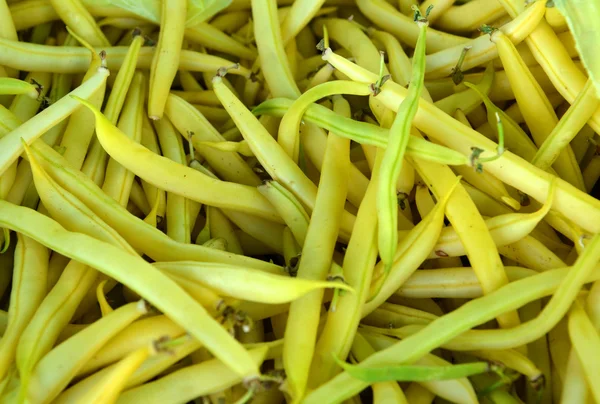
11	146
234	281
137	275
140	235
56	369
181	180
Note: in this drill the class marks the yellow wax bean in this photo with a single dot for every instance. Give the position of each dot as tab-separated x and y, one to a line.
70	212
316	259
407	257
55	370
182	385
132	337
66	59
139	276
166	58
467	17
140	235
118	180
270	44
504	229
275	161
181	180
28	290
536	108
234	281
78	18
586	343
508	168
11	146
152	367
441	63
177	214
110	386
386	16
189	121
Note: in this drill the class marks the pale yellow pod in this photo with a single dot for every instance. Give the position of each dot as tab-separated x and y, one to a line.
55	370
152	367
586	343
165	61
182	385
235	281
11	146
78	18
504	229
28	290
140	235
403	27
106	390
441	63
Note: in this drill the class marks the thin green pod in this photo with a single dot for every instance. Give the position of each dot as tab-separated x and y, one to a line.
363	132
414	373
11	146
288	207
179	179
56	369
12	86
28	291
475	312
140	235
407	259
508	168
384	391
235	281
391	164
138	275
288	135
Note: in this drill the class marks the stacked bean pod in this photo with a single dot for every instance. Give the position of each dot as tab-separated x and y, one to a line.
310	201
